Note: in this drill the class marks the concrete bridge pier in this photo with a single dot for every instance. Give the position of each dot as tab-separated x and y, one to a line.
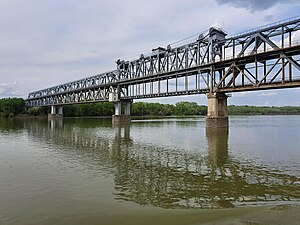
122	112
56	112
217	114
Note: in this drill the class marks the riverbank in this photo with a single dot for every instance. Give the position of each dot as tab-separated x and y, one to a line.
14	107
27	116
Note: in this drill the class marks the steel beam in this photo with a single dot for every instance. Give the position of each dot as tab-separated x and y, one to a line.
253	60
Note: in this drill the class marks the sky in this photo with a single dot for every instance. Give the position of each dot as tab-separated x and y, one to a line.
44	43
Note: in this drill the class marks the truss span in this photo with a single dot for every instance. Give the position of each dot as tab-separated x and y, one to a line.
263	58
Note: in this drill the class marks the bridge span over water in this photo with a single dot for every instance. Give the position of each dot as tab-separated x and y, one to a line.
214	64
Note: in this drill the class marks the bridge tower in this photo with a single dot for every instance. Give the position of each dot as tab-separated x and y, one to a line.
217	115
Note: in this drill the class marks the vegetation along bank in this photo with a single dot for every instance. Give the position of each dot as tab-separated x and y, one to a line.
11	107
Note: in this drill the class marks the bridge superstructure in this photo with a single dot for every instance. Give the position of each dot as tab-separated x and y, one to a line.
259	59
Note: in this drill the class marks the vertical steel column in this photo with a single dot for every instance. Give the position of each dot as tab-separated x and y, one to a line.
290	65
118	108
53	109
127	108
282	68
120	118
59	110
56	112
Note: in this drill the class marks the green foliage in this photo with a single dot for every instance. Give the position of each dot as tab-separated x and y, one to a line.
192	108
139	109
152	109
180	109
89	109
37	111
262	110
157	109
9	107
189	108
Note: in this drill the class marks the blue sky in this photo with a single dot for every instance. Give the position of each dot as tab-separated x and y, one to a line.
47	42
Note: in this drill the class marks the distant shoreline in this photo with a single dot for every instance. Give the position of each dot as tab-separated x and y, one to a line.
25	116
15	108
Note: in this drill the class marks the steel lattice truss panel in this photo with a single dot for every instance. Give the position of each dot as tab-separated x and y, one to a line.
263	58
91	89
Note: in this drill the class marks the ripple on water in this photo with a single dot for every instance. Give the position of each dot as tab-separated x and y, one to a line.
78	167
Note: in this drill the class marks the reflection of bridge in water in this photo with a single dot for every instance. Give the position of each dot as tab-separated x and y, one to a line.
166	177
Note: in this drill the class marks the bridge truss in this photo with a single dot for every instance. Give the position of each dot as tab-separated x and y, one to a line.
263	58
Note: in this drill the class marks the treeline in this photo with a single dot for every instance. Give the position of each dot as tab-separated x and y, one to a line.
137	109
263	110
89	109
157	109
10	107
179	109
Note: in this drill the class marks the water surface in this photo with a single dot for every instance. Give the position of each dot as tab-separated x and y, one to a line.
87	171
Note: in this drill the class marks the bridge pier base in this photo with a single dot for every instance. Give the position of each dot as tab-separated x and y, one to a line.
56	112
120	117
217	114
117	119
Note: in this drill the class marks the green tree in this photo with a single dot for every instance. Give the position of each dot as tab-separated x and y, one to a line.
187	108
10	107
37	111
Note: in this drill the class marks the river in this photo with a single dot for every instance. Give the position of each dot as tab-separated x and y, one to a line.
152	171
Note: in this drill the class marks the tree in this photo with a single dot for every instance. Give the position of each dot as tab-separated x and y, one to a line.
9	107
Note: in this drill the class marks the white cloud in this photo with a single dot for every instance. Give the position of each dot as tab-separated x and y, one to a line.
254	5
7	90
296	37
269	93
244	94
200	99
268	103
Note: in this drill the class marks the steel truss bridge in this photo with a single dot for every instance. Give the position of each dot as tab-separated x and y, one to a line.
263	58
